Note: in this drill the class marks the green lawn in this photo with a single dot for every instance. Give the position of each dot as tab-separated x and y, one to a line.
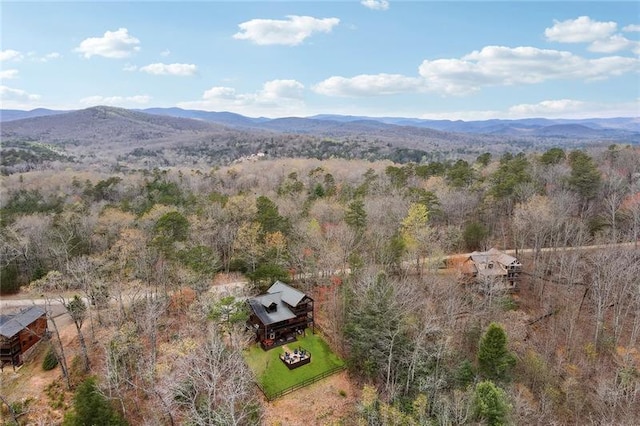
274	376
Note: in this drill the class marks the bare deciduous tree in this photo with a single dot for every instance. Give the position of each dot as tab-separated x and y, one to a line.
214	386
77	310
57	346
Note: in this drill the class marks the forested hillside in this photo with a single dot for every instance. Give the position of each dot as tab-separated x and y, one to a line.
118	138
145	249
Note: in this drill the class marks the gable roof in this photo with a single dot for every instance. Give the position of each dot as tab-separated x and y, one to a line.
260	303
493	255
267	300
12	324
289	294
284	296
502	258
492	262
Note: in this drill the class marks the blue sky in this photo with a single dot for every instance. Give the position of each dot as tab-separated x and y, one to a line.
448	59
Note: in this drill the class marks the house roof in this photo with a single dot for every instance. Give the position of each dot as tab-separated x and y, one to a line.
493	255
284	296
503	258
492	262
260	303
12	324
288	293
269	299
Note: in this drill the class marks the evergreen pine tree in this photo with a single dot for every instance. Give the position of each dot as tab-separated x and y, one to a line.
494	359
91	408
491	404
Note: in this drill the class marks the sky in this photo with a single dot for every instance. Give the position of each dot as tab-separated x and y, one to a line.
467	60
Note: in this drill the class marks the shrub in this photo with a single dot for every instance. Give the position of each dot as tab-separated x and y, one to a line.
535	373
507	303
474	235
50	360
90	407
491	404
9	283
56	395
464	374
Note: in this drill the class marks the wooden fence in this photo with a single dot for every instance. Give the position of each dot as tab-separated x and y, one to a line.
304	383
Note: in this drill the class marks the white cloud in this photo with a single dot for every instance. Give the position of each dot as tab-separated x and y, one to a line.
8	94
8	74
602	36
281	89
375	4
499	65
571	108
558	108
614	43
130	68
490	66
170	69
277	98
221	93
33	56
10	55
579	30
121	101
273	91
50	56
113	44
633	28
165	53
290	32
368	85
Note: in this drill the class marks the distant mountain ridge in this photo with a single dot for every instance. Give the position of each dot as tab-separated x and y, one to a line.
17	114
224	117
117	124
138	138
494	125
589	128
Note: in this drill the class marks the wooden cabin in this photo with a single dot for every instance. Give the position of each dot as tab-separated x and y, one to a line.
493	269
279	315
19	332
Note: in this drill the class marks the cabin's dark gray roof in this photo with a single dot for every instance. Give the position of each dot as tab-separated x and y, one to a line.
269	299
284	296
258	305
287	293
11	324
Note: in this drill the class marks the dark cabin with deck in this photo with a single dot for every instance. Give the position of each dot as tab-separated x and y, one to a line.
19	332
279	315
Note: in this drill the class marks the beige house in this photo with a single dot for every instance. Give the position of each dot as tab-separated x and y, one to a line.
493	269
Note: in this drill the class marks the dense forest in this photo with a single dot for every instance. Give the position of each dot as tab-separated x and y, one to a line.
368	239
